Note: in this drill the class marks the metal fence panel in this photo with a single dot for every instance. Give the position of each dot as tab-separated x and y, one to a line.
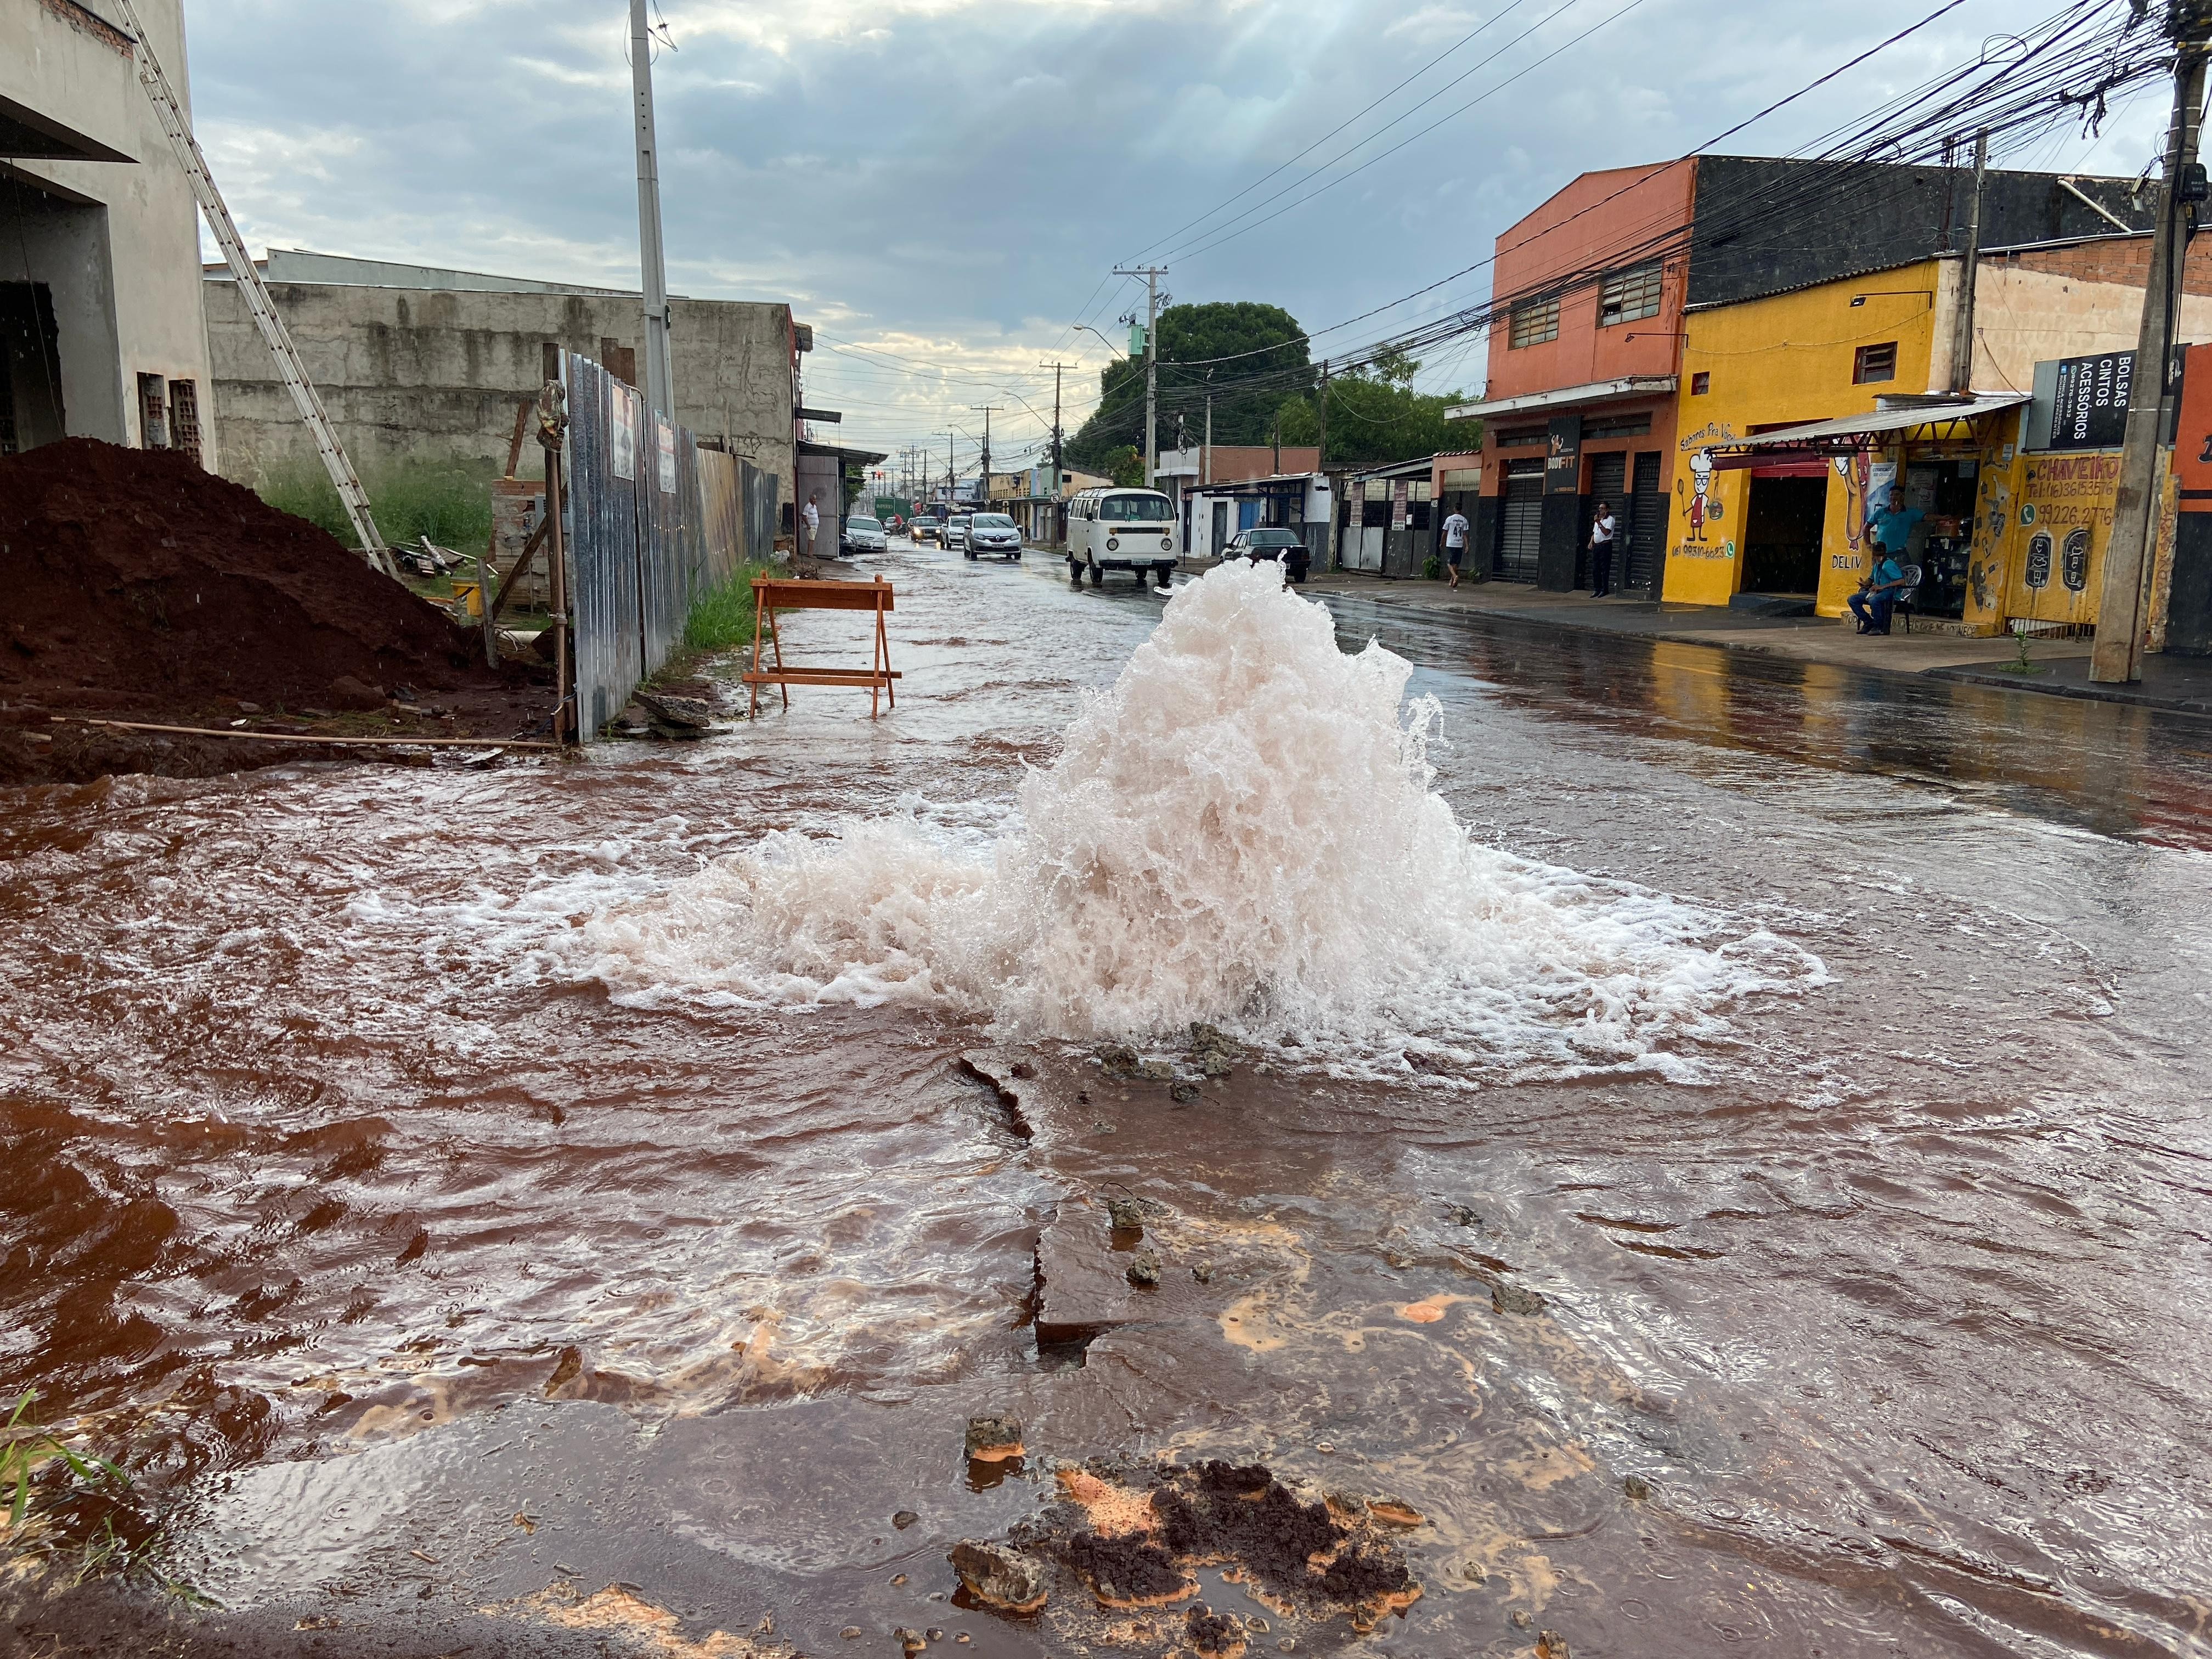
600	509
721	495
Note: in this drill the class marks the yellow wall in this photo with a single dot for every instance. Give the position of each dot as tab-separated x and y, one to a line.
1778	361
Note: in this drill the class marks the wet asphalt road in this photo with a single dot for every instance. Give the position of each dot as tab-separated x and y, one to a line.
440	1290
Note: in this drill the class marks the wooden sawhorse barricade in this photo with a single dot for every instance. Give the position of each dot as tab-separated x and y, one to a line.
771	595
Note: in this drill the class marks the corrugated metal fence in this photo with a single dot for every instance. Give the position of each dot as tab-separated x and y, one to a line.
652	521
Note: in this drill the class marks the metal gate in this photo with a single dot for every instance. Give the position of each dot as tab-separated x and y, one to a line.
1609	484
1647	528
1520	522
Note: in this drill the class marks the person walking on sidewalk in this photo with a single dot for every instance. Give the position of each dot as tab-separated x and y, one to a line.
1600	549
1454	543
811	514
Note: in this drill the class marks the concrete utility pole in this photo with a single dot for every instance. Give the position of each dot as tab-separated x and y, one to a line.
1206	461
1320	465
658	390
1058	492
2117	657
951	475
985	411
1152	274
1962	334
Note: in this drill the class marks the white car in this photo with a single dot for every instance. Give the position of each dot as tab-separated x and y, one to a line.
955	529
864	535
994	533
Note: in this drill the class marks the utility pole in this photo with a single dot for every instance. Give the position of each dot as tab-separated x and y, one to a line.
1320	465
1059	488
1206	461
658	392
1152	274
951	475
1962	334
985	411
2117	658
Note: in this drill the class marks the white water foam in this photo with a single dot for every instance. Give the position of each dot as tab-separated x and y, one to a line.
1240	830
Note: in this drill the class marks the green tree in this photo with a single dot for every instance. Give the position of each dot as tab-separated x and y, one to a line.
1125	466
1376	415
1245	354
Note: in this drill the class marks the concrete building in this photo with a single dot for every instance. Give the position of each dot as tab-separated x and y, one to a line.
1587	374
421	365
101	330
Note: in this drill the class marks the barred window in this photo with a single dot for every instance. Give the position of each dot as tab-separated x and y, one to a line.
184	418
1535	323
1629	296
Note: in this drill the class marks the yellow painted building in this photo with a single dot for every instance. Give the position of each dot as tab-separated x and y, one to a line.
1814	355
2008	537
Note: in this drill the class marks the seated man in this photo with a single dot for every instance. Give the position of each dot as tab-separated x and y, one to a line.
1877	595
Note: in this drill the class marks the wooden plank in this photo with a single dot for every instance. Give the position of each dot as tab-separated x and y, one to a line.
821	677
521	421
293	736
773	593
529	552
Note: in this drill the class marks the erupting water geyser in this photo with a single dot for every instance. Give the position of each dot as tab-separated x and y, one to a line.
1240	830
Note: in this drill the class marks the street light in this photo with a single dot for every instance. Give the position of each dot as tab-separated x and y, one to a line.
1102	340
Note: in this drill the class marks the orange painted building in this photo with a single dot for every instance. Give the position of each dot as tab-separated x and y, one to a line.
1593	288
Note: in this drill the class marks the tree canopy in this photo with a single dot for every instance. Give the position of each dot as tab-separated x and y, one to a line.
1255	340
1375	415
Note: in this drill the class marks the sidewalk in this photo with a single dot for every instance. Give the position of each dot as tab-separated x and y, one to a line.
2181	684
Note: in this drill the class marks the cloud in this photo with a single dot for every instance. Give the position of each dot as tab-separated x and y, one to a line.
944	184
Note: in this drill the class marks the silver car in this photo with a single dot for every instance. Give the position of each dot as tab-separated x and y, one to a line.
864	535
994	533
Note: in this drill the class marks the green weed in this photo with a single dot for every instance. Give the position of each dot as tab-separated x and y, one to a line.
722	619
451	505
81	1516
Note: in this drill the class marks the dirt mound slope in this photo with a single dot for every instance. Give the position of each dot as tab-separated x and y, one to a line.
139	586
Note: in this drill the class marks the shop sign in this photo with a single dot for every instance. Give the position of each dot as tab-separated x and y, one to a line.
2089	404
1563	456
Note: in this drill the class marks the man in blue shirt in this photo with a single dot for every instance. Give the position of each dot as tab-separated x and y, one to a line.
1893	530
1873	603
1877	597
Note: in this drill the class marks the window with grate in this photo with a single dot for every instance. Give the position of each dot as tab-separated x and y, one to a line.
1624	426
1463	478
1535	323
1629	296
152	412
1524	438
1874	362
1701	383
184	418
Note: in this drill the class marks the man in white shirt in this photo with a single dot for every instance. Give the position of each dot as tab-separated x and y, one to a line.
1601	549
811	512
1454	543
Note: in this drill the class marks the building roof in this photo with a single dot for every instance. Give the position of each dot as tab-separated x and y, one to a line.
1593	392
1842	432
295	264
864	457
1396	469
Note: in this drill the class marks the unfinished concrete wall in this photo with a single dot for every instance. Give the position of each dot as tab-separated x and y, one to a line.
103	217
2035	304
415	375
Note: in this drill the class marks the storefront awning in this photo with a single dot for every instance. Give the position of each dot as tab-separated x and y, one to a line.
1847	433
1567	397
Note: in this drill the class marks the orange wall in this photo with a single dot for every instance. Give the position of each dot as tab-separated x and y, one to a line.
1597	222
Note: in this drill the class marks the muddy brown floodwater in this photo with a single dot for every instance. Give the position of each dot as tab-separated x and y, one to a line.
450	1294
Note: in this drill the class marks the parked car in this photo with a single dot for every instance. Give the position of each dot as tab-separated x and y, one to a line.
956	530
863	535
926	528
1283	545
994	533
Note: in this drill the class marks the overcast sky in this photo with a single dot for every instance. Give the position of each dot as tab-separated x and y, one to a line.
940	186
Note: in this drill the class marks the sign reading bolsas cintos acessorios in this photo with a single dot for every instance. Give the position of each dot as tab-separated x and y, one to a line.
2089	404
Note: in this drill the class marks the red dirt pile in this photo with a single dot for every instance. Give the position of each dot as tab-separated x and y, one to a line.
139	586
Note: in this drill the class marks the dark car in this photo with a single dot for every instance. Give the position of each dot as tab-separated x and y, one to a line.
925	527
1283	545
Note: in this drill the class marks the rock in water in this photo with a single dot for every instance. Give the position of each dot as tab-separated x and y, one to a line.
1145	1272
1515	1299
1000	1576
690	713
994	1438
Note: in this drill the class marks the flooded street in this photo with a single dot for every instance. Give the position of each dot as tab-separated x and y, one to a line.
1771	1216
